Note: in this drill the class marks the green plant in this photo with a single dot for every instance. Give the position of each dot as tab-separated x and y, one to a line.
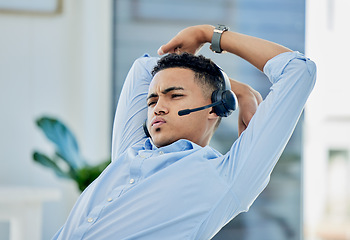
67	161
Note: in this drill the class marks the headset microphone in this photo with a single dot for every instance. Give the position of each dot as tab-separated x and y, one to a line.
188	111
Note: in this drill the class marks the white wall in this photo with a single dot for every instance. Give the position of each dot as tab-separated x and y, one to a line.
327	116
57	65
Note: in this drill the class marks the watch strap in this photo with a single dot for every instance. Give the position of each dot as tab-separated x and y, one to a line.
215	41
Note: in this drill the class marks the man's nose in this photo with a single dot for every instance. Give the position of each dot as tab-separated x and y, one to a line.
160	108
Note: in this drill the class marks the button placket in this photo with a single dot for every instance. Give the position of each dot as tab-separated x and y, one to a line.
135	169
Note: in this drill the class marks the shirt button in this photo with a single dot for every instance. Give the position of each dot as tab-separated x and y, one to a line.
132	181
90	220
161	152
109	200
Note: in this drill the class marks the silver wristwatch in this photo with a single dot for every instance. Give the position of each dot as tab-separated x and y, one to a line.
215	41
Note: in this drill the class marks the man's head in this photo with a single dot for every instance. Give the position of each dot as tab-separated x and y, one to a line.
181	82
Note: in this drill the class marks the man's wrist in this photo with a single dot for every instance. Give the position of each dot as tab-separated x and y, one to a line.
207	33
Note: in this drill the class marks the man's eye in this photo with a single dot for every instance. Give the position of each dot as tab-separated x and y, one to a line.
176	95
151	103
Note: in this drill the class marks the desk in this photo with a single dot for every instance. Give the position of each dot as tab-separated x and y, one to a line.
22	207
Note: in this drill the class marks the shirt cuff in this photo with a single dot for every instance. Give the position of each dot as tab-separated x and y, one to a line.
276	65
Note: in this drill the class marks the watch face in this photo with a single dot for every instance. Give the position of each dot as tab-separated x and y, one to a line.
222	28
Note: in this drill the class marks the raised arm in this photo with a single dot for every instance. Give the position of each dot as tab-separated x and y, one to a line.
255	50
132	109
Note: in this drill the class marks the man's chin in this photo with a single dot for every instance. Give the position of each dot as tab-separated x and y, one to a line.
162	142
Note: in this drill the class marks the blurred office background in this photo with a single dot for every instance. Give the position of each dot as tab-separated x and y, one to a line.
68	59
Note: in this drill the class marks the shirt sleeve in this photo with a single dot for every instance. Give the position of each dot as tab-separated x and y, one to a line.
132	106
249	163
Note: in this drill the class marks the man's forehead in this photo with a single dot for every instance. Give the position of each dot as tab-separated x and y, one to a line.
173	74
172	79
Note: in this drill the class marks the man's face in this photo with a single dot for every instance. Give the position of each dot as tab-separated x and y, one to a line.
170	91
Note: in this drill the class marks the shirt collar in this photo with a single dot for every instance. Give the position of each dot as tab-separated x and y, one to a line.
179	145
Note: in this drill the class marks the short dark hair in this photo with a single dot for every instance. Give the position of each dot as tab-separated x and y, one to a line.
207	73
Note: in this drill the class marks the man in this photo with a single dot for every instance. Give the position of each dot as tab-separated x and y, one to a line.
172	185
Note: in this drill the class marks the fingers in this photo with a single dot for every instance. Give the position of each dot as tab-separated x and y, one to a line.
258	96
188	40
248	106
160	50
164	50
241	127
173	46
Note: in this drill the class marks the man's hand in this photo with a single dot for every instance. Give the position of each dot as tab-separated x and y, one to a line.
248	102
189	40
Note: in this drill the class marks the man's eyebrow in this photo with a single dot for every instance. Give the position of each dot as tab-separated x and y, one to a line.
165	91
152	95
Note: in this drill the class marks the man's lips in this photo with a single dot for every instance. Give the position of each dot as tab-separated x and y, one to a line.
157	121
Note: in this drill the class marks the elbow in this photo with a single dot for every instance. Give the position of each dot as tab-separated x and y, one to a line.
312	72
306	71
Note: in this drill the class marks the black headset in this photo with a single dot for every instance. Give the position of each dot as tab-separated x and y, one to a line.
226	99
224	102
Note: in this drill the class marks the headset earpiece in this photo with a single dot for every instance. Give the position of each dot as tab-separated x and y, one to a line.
228	102
227	98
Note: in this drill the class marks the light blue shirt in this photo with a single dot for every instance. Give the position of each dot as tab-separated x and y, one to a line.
183	191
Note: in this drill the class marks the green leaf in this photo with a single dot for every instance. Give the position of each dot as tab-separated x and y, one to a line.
67	150
64	140
47	162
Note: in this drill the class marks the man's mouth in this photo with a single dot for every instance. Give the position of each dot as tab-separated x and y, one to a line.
157	122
